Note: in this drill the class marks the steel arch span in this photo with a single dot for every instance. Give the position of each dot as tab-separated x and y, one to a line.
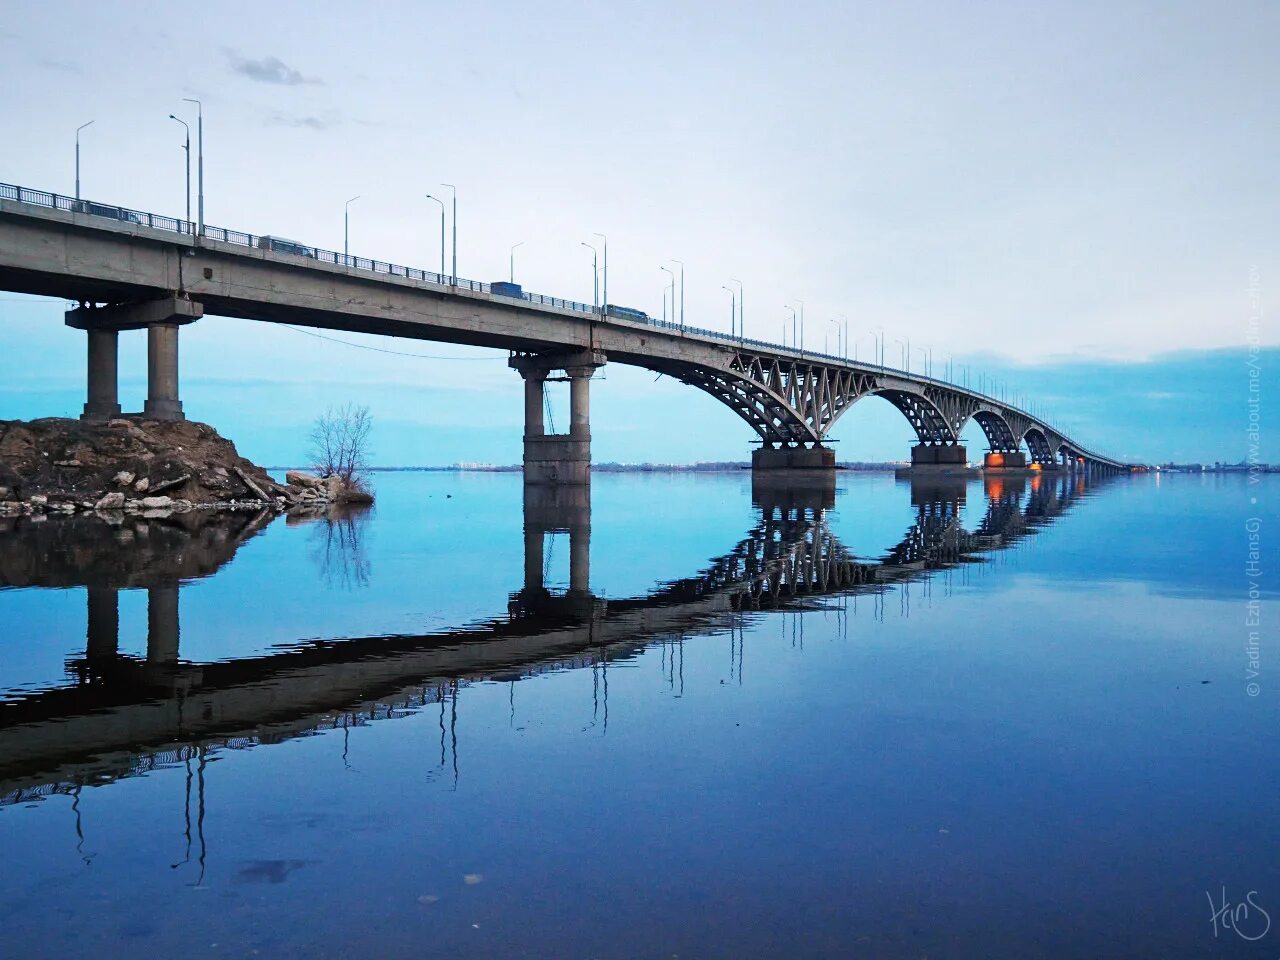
794	402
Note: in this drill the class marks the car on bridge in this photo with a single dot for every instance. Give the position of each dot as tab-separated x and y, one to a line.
103	210
281	245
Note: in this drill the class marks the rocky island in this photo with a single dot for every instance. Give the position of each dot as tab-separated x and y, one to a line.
63	466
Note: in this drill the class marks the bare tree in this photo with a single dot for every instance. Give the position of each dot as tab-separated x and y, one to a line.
340	443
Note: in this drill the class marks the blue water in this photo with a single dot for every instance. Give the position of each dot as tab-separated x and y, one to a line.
1013	721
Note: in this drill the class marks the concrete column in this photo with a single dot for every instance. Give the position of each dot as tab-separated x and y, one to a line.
103	640
103	401
162	373
162	625
534	424
580	402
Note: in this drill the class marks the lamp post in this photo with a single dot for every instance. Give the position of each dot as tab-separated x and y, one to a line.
187	148
670	273
903	346
801	302
441	202
604	306
837	323
673	302
595	279
793	327
879	335
78	129
742	333
511	275
346	230
733	309
199	163
454	273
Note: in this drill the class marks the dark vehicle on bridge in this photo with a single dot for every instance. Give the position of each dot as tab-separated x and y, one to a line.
281	245
626	313
504	288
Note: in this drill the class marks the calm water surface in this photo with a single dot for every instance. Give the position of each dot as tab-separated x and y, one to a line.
684	719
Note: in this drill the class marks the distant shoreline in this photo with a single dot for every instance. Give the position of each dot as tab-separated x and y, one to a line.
728	467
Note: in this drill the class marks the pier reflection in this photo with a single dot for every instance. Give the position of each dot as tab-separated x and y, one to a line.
118	715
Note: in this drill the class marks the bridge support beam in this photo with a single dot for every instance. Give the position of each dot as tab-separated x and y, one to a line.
557	458
161	319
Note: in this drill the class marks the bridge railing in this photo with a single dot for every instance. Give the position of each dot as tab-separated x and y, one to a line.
54	201
141	218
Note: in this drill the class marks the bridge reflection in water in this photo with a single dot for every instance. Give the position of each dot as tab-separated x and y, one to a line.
119	715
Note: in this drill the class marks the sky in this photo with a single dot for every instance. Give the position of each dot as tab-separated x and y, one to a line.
1080	199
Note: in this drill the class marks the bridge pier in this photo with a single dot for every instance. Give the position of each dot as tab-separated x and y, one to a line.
946	456
1005	460
557	458
816	457
161	319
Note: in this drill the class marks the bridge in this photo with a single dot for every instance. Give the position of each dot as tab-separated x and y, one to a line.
119	714
131	270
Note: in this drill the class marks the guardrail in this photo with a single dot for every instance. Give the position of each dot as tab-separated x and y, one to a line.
44	198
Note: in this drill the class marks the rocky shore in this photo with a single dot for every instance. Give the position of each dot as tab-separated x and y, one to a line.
148	467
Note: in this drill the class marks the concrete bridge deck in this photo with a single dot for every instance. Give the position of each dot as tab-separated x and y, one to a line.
134	270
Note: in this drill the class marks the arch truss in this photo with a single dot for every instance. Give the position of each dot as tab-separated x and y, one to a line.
793	402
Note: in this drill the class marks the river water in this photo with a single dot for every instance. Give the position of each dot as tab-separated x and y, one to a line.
681	718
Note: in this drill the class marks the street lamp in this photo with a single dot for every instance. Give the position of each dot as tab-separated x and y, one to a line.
793	327
742	313
511	276
879	334
733	309
187	148
346	230
672	274
837	323
595	278
673	302
78	129
801	302
905	359
441	202
199	163
455	231
604	306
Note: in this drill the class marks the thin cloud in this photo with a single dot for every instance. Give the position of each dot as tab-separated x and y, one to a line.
63	66
304	121
269	69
